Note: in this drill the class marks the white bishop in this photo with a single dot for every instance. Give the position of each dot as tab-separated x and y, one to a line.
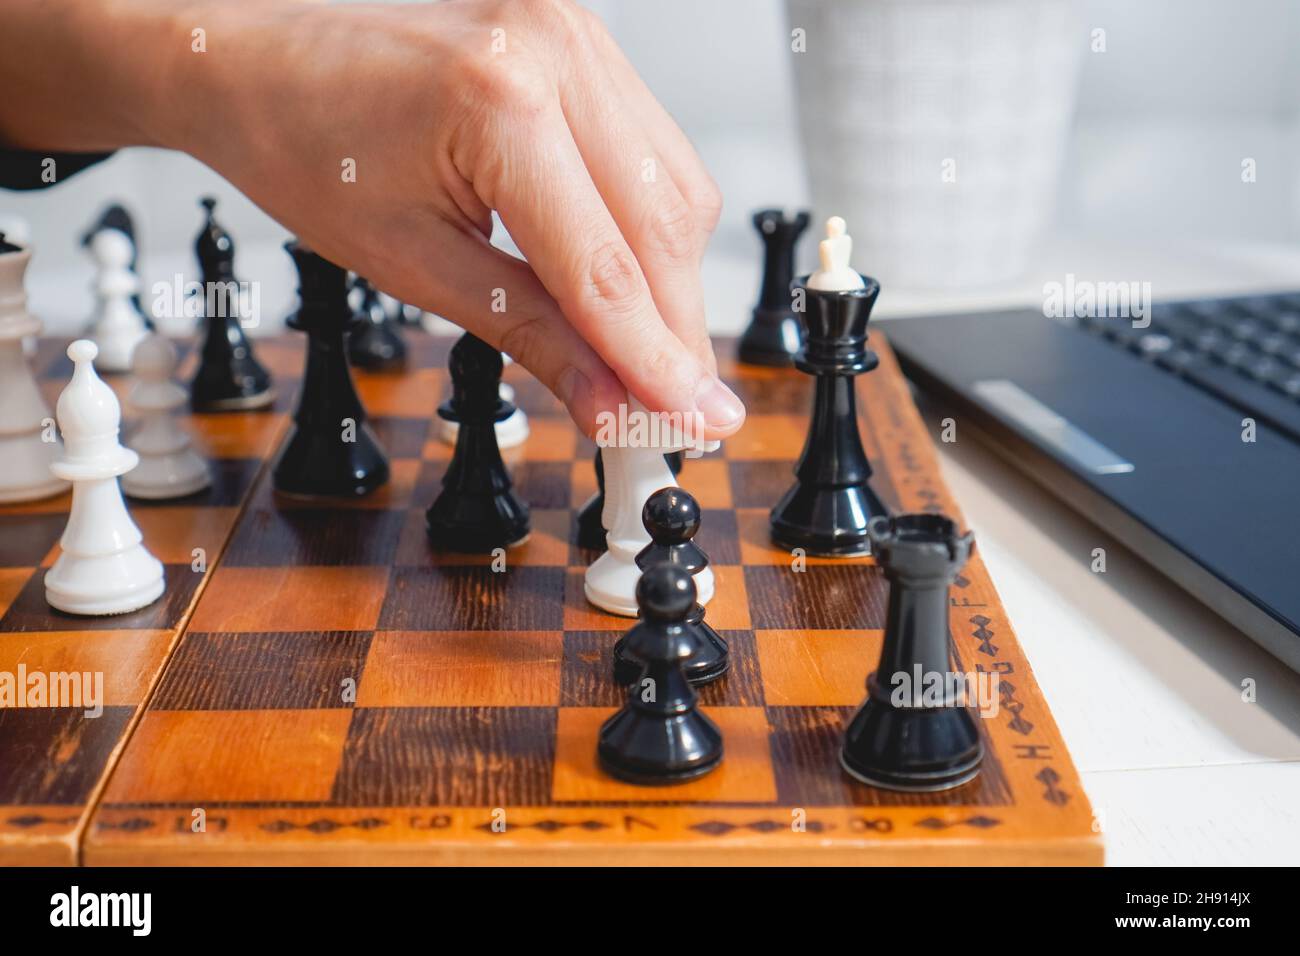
119	326
169	467
104	568
28	441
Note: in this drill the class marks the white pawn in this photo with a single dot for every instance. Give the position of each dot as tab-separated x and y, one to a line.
29	443
118	325
169	467
103	568
835	274
633	472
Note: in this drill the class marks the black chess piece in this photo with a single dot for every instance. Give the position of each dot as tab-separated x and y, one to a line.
659	737
903	738
374	342
827	510
591	531
476	511
330	451
672	518
774	333
229	377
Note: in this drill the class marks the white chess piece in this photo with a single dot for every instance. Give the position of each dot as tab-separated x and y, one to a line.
510	431
835	274
29	443
633	472
169	467
104	567
118	325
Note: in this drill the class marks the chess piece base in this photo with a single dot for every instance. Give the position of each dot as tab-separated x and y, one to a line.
709	663
826	522
233	403
110	584
772	339
172	476
636	749
479	524
921	749
322	465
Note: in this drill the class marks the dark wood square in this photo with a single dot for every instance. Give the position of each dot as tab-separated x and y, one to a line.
267	671
447	756
759	484
466	598
27	539
29	612
544	484
28	739
806	745
719	537
268	537
400	437
820	597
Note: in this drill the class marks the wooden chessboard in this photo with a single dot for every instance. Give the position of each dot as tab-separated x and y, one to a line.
337	692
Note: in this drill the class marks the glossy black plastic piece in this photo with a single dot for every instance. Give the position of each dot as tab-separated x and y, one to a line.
374	342
229	377
331	451
827	510
672	518
775	334
476	510
901	739
659	737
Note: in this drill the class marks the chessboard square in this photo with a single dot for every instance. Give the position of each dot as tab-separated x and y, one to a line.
580	614
264	671
708	481
28	538
759	484
12	582
222	435
173	533
582	482
198	757
122	664
743	685
399	437
462	669
314	536
468	598
767	438
531	395
29	611
447	757
811	668
411	392
550	439
744	776
823	597
806	744
719	537
56	755
292	599
729	609
544	484
767	391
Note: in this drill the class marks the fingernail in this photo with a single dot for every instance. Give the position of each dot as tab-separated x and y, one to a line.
717	403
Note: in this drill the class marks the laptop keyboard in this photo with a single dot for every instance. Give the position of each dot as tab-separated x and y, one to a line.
1246	351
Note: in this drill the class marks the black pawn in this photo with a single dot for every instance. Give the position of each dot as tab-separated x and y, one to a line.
374	342
672	517
774	333
229	376
476	510
591	532
916	743
659	737
331	451
827	510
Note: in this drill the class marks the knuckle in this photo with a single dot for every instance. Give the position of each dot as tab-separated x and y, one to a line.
672	231
706	199
525	341
614	279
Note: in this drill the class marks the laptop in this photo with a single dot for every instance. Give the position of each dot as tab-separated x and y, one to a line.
1177	432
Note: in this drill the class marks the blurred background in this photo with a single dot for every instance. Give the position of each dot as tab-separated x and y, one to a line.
978	148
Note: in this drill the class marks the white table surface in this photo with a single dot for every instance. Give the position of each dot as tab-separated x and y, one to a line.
1144	682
